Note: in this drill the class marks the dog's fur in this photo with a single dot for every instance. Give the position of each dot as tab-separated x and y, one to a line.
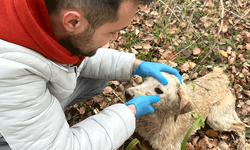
166	127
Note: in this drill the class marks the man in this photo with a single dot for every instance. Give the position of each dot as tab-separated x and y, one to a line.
49	58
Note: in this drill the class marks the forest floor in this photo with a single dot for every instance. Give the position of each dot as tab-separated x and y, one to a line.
193	36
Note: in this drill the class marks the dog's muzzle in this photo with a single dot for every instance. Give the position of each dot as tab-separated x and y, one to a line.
128	96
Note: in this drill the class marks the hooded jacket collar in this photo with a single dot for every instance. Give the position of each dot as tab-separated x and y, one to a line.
27	23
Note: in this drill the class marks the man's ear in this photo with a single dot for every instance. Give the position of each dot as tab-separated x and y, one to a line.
72	20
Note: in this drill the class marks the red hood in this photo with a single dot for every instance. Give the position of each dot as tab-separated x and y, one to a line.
27	23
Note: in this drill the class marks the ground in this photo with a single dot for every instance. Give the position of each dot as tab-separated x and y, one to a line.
194	37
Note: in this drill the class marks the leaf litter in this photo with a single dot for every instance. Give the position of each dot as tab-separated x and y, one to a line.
195	37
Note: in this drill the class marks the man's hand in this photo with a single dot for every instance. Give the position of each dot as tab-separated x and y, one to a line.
142	104
154	69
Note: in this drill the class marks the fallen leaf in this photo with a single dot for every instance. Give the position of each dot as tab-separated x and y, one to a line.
146	45
211	133
161	37
134	51
224	28
154	13
185	67
223	145
185	76
248	46
197	51
144	9
138	47
247	93
230	21
232	58
209	3
192	65
98	98
82	110
233	70
108	90
223	53
247	40
218	70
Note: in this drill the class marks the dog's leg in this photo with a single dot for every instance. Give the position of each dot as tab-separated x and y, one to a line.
222	118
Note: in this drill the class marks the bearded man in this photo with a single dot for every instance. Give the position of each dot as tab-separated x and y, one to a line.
50	57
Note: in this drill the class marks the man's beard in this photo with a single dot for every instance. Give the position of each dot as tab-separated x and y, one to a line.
79	44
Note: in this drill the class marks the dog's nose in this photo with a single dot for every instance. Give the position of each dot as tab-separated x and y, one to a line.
128	96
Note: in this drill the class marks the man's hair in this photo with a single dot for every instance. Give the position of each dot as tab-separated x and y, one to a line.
97	12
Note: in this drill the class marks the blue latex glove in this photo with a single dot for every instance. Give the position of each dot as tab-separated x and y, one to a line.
154	69
142	104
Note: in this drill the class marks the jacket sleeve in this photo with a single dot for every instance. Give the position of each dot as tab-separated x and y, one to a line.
32	118
109	64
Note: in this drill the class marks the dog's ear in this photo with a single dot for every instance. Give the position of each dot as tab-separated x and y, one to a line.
185	104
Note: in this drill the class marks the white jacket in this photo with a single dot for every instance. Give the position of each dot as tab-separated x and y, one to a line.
32	89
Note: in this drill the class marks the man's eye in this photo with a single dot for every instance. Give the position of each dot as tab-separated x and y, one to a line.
113	32
158	91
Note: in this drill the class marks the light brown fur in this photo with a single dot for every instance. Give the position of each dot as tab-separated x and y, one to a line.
166	127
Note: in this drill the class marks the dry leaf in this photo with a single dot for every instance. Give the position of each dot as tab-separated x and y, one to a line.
197	51
138	47
233	69
185	67
161	37
248	46
82	110
232	58
115	83
230	21
225	28
218	70
209	3
247	93
138	79
223	145
146	45
108	90
98	98
154	13
211	133
134	51
223	53
192	65
185	76
144	9
247	40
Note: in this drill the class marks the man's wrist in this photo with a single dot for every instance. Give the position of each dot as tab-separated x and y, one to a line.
136	63
132	108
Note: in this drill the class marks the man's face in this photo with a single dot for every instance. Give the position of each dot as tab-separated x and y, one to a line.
88	41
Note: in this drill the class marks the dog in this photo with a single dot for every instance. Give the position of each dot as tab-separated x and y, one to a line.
166	127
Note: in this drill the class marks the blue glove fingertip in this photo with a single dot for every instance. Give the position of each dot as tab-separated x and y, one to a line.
151	110
154	99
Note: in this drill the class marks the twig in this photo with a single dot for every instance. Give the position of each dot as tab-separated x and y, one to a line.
118	97
201	86
184	49
238	16
189	22
195	69
241	18
222	16
170	10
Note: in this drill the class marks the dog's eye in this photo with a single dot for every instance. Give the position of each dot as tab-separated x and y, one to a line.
158	91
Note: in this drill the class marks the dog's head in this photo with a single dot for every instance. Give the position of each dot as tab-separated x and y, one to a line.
174	98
